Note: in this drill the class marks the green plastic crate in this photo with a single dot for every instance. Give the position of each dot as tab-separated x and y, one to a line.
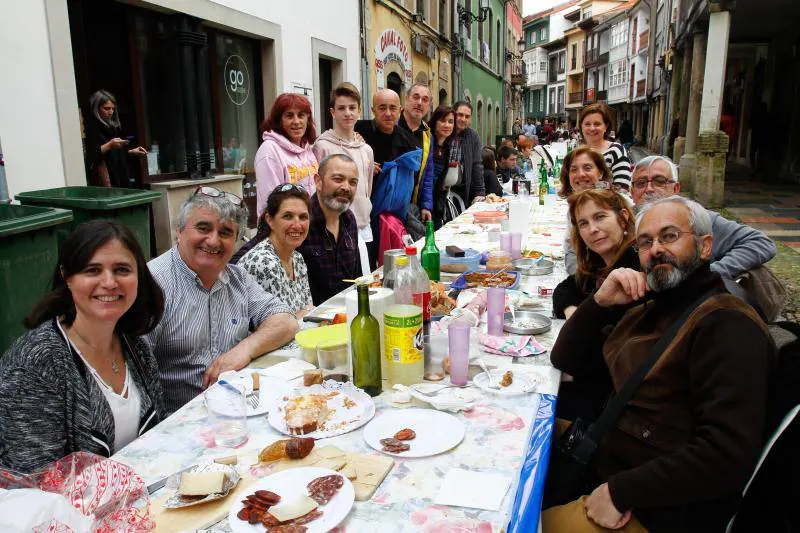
129	206
28	257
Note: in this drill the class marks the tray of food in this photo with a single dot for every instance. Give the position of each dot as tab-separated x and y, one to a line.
322	410
310	499
534	267
526	323
203	483
487	278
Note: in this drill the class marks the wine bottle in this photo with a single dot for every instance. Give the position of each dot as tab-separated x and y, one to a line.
366	346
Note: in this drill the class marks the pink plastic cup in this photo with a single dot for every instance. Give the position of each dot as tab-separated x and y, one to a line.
495	309
505	241
458	340
516	245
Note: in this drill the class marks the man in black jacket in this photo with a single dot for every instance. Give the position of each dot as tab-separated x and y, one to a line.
466	148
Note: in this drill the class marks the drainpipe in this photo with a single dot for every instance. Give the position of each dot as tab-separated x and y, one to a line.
365	97
4	199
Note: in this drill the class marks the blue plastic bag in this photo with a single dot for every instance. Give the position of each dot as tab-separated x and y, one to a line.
395	185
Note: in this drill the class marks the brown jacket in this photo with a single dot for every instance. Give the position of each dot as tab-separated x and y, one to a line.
690	437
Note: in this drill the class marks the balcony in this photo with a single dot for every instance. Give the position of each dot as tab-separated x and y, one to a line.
553	76
591	56
518	73
640	88
575	98
537	79
644	40
591	96
603	59
602	96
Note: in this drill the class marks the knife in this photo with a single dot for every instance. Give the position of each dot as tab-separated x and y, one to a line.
157	485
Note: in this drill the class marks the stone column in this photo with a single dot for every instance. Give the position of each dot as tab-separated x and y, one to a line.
712	145
686	76
687	163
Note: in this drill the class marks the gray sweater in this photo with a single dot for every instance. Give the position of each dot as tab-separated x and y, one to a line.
51	406
471	185
737	248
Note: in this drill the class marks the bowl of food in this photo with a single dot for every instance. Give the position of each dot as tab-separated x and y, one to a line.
526	323
489	217
532	267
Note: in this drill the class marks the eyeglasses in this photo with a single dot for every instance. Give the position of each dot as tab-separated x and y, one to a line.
659	182
666	236
288	187
205	190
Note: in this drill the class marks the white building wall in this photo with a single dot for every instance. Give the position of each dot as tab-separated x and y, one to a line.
39	121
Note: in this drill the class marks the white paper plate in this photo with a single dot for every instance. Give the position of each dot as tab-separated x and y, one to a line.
522	383
344	420
437	432
270	390
292	483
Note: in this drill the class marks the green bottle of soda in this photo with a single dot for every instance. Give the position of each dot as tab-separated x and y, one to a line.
365	341
430	254
543	185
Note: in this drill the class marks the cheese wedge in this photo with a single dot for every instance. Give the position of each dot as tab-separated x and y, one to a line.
349	471
333	464
201	483
289	510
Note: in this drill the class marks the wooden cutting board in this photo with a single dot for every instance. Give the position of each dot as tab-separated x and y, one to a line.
371	471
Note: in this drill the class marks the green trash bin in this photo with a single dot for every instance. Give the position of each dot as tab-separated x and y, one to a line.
129	206
28	257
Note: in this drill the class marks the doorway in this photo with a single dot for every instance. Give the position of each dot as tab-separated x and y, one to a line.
394	82
325	88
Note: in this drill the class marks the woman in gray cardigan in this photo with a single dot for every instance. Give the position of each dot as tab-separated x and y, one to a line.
81	380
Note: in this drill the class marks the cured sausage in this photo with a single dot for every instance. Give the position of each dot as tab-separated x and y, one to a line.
322	489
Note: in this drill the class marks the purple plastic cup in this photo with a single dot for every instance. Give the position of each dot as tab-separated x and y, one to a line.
505	241
458	340
495	309
516	245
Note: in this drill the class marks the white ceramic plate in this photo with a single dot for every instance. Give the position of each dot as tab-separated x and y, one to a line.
292	483
270	389
437	432
347	415
521	383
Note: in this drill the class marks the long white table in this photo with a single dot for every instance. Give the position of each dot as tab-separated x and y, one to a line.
506	435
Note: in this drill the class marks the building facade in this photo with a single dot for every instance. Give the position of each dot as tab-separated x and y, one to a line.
536	30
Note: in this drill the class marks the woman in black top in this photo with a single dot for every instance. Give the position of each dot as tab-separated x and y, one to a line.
490	179
595	123
442	125
106	151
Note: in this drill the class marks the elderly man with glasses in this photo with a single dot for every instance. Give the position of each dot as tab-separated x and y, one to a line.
737	248
684	446
216	316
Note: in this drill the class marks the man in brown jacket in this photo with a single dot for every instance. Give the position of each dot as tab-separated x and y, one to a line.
684	447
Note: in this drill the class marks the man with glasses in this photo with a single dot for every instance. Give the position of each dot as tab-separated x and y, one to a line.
737	248
216	316
331	248
684	447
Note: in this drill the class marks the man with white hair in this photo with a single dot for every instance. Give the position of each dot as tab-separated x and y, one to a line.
216	316
687	441
737	248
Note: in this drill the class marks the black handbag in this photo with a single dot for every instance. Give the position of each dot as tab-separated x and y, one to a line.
568	474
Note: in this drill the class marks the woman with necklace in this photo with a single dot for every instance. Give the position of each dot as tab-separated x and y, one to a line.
82	379
345	109
595	124
275	262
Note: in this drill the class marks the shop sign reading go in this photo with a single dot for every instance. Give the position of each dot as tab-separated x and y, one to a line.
237	79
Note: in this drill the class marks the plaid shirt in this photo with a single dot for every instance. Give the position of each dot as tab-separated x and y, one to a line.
329	260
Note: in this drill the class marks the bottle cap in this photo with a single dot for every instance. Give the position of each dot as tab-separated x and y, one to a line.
411	250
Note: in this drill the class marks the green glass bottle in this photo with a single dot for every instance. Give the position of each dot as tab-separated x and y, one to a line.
430	253
365	342
543	186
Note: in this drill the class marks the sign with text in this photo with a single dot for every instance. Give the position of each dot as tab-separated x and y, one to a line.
390	47
236	79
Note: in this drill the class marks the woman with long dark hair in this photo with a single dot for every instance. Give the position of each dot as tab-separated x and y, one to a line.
81	379
106	151
442	126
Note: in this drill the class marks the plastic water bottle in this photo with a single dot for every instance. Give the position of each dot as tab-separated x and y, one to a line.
422	287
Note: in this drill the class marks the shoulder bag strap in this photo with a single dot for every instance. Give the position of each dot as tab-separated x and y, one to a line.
617	404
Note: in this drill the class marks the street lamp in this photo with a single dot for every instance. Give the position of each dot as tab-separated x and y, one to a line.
467	17
521	45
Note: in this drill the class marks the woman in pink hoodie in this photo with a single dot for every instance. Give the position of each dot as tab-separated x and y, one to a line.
345	108
285	156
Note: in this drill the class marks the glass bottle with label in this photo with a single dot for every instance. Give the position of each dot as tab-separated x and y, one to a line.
543	185
366	346
430	253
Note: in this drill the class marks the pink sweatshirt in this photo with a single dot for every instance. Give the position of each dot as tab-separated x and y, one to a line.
278	160
329	143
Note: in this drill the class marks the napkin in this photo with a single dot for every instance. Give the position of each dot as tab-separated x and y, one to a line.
513	345
479	490
287	370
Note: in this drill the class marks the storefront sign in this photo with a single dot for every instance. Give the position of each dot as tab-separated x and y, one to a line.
237	79
389	47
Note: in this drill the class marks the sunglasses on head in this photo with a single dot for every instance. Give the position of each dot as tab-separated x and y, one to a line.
205	190
288	187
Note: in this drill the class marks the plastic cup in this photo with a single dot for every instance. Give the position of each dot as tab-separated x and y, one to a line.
505	241
227	414
435	350
516	245
495	310
334	362
458	342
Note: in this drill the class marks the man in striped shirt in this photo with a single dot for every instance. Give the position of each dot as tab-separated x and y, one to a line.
216	316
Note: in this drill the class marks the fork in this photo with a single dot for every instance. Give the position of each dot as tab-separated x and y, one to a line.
436	393
492	384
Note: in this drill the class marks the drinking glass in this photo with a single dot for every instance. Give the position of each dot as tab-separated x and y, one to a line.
505	241
516	245
227	413
495	309
334	362
458	342
435	350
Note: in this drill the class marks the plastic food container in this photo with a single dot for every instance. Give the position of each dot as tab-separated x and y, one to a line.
470	261
499	260
461	282
489	217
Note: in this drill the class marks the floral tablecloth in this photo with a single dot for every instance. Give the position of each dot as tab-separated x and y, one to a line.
505	435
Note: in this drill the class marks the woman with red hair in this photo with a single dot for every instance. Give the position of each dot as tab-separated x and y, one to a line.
285	156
